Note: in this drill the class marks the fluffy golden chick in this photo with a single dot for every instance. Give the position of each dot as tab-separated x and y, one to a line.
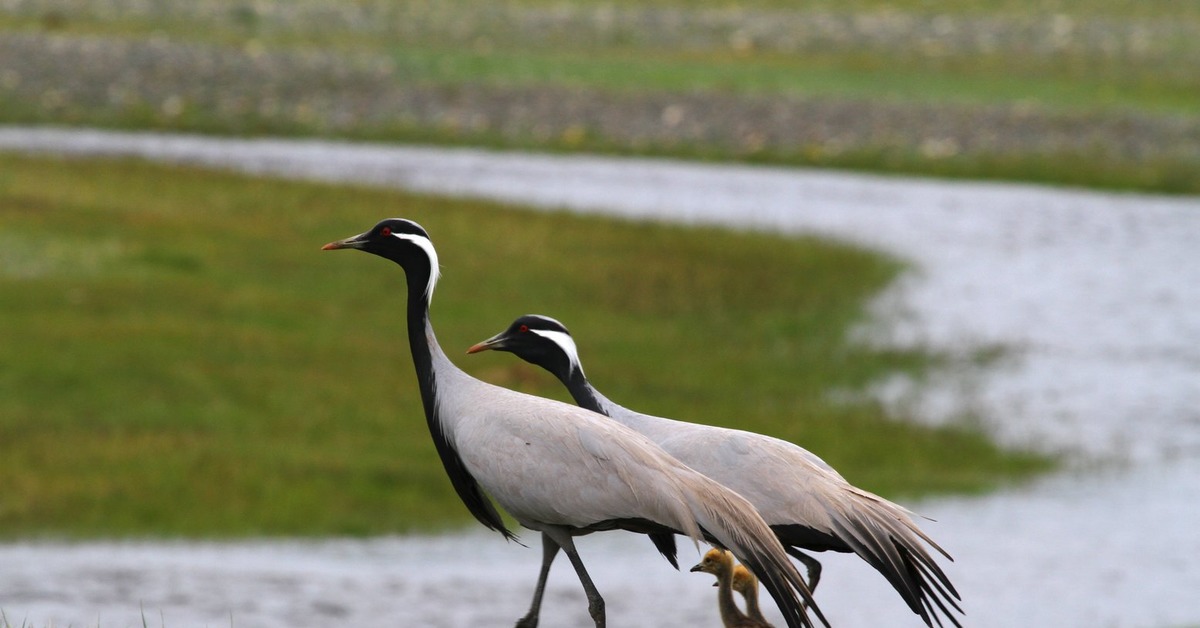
719	563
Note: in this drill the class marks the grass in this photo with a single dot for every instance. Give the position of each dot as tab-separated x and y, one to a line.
468	42
1125	8
1116	65
1066	82
980	81
178	358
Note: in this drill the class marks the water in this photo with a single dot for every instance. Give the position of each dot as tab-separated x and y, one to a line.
1096	297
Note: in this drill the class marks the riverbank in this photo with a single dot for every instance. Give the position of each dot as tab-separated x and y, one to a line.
1090	295
1090	301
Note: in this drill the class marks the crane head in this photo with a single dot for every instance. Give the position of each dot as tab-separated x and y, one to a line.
400	240
539	340
716	561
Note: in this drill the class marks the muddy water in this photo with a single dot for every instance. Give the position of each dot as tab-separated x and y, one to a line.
1096	296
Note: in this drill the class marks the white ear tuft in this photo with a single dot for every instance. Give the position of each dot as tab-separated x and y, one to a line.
434	269
564	342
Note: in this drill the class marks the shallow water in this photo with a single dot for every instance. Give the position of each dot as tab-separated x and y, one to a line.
1116	549
1096	296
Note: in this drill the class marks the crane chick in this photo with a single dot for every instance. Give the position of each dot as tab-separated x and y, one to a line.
745	583
719	563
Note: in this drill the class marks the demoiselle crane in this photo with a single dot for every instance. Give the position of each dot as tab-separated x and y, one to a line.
806	502
560	469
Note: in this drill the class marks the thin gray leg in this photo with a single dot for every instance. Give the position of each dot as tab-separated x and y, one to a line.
595	602
549	551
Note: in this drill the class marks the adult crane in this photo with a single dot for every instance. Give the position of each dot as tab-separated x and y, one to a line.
557	468
807	503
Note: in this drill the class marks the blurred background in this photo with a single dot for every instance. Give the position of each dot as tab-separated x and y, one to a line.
179	363
1092	92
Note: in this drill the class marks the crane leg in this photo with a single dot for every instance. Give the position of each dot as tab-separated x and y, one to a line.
549	551
810	563
595	602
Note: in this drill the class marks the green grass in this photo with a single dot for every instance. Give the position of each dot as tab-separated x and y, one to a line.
1122	8
451	50
976	81
179	358
1101	73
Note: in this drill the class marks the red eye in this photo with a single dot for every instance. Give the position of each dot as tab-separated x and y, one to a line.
386	231
523	328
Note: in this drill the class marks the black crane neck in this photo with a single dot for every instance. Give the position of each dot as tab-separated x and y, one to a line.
419	333
581	389
422	343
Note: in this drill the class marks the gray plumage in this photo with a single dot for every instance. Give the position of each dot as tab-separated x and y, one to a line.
806	502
